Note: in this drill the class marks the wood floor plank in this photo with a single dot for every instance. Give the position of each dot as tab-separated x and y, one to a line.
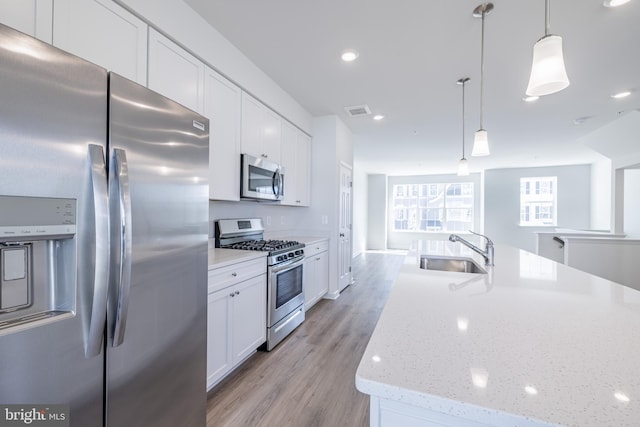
309	379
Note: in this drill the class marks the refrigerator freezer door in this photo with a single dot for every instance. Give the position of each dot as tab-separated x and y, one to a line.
156	375
53	107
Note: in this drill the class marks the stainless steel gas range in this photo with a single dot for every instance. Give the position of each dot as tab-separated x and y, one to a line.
285	297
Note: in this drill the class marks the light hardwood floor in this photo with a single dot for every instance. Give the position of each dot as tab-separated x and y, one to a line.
309	379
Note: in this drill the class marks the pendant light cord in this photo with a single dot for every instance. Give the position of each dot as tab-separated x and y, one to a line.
482	69
547	12
463	82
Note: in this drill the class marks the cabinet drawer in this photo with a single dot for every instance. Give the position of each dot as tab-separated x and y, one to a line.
223	277
316	248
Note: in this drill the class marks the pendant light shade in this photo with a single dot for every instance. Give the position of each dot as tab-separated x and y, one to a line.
548	73
480	143
463	165
481	138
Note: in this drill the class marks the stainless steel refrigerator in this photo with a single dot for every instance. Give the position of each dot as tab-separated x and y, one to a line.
103	243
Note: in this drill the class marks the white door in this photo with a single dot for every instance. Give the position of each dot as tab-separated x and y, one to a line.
344	227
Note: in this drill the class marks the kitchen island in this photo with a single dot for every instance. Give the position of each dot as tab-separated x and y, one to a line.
530	343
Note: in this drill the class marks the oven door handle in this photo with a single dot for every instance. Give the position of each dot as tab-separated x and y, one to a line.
287	265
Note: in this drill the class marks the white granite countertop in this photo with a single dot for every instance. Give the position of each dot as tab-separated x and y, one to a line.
222	257
531	343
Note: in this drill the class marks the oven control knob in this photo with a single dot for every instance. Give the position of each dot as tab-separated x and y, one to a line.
280	258
290	254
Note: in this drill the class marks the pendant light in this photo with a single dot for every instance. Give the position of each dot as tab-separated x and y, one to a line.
548	74
481	137
463	166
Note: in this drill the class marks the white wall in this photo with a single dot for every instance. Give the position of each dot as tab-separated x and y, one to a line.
360	211
632	202
332	145
601	194
377	210
502	202
178	21
403	239
618	141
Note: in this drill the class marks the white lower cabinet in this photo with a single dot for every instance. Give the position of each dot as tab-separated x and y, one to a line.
236	320
389	413
315	274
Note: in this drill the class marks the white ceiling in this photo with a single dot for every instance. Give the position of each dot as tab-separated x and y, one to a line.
412	52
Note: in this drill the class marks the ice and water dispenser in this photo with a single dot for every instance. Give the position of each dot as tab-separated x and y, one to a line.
37	260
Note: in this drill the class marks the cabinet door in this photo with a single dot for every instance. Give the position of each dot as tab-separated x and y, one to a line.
249	324
104	33
303	171
175	73
288	158
219	356
309	282
33	17
222	102
271	125
322	273
251	133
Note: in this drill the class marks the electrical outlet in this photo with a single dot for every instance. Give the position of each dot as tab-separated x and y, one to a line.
282	220
325	220
267	219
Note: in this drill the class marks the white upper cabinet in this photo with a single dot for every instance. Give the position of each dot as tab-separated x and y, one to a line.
222	102
261	130
296	160
175	73
104	33
33	17
303	175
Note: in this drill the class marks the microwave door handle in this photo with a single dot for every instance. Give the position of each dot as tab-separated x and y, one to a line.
98	176
121	179
276	183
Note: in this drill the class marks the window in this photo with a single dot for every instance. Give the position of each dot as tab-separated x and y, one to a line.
538	196
442	207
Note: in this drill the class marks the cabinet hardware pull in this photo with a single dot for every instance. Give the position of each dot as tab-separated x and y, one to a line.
318	259
232	295
237	292
234	274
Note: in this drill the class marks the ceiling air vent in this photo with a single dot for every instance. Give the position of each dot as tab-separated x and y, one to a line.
358	110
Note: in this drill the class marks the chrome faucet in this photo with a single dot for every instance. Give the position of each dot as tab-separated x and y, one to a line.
487	254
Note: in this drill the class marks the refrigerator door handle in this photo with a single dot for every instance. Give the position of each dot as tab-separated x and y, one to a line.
98	173
120	178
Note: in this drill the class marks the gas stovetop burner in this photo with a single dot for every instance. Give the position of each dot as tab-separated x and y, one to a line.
247	234
264	245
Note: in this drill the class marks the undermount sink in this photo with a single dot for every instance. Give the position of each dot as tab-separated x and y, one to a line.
458	265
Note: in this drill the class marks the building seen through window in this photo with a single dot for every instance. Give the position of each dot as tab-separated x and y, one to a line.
538	197
443	207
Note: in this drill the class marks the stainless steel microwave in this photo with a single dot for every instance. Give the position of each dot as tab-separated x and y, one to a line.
261	179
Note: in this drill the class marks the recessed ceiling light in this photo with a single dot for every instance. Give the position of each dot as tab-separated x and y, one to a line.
349	55
621	94
530	98
614	3
378	117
